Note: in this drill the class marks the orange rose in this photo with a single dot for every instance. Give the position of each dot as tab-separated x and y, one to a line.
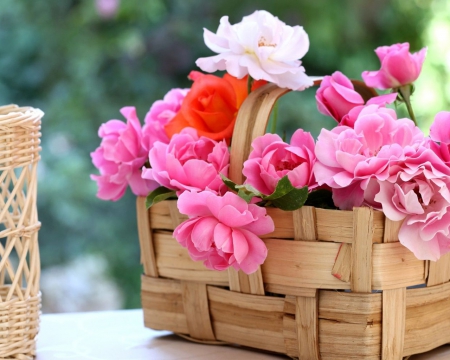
211	105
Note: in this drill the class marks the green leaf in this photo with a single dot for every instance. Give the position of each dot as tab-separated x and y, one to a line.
231	185
246	192
293	200
284	187
249	189
247	196
159	194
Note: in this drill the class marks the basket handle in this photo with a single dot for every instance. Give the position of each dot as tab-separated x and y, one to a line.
253	117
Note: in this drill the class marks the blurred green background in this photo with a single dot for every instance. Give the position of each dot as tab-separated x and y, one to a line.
82	60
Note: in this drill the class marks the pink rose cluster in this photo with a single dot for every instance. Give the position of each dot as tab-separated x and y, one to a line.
372	158
120	158
124	148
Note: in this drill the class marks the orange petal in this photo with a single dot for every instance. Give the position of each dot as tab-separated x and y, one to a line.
240	88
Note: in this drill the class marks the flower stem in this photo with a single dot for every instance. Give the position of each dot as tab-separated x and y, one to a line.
249	84
405	92
273	128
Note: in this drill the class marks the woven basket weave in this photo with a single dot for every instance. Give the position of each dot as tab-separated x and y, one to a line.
335	285
19	253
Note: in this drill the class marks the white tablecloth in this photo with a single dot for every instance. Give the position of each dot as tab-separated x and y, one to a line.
121	335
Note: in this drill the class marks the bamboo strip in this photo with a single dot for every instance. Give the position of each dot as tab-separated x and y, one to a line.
248	284
331	225
361	279
342	267
284	228
393	324
427	319
349	325
162	303
391	229
196	309
160	286
175	215
173	261
249	320
290	303
307	320
289	290
160	218
394	266
341	340
305	224
207	276
352	308
290	335
251	122
259	338
439	271
301	264
246	301
148	259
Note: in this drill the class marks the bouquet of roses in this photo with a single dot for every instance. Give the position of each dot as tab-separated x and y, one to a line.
370	158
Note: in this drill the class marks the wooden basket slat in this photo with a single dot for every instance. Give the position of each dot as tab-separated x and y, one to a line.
196	309
162	303
246	301
439	272
301	264
393	331
344	340
249	320
173	261
394	266
427	321
332	225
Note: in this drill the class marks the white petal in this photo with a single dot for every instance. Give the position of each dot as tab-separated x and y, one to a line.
216	43
211	63
293	47
299	81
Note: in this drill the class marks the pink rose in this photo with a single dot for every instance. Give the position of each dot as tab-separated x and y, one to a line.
440	133
348	158
223	231
418	193
440	129
336	97
398	67
120	158
189	162
160	113
271	159
381	101
261	46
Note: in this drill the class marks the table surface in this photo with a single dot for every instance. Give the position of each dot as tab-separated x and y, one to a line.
121	335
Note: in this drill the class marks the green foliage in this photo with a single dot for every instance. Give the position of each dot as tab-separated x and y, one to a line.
80	68
159	194
285	196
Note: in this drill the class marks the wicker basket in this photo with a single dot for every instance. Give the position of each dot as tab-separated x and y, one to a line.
19	253
335	284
